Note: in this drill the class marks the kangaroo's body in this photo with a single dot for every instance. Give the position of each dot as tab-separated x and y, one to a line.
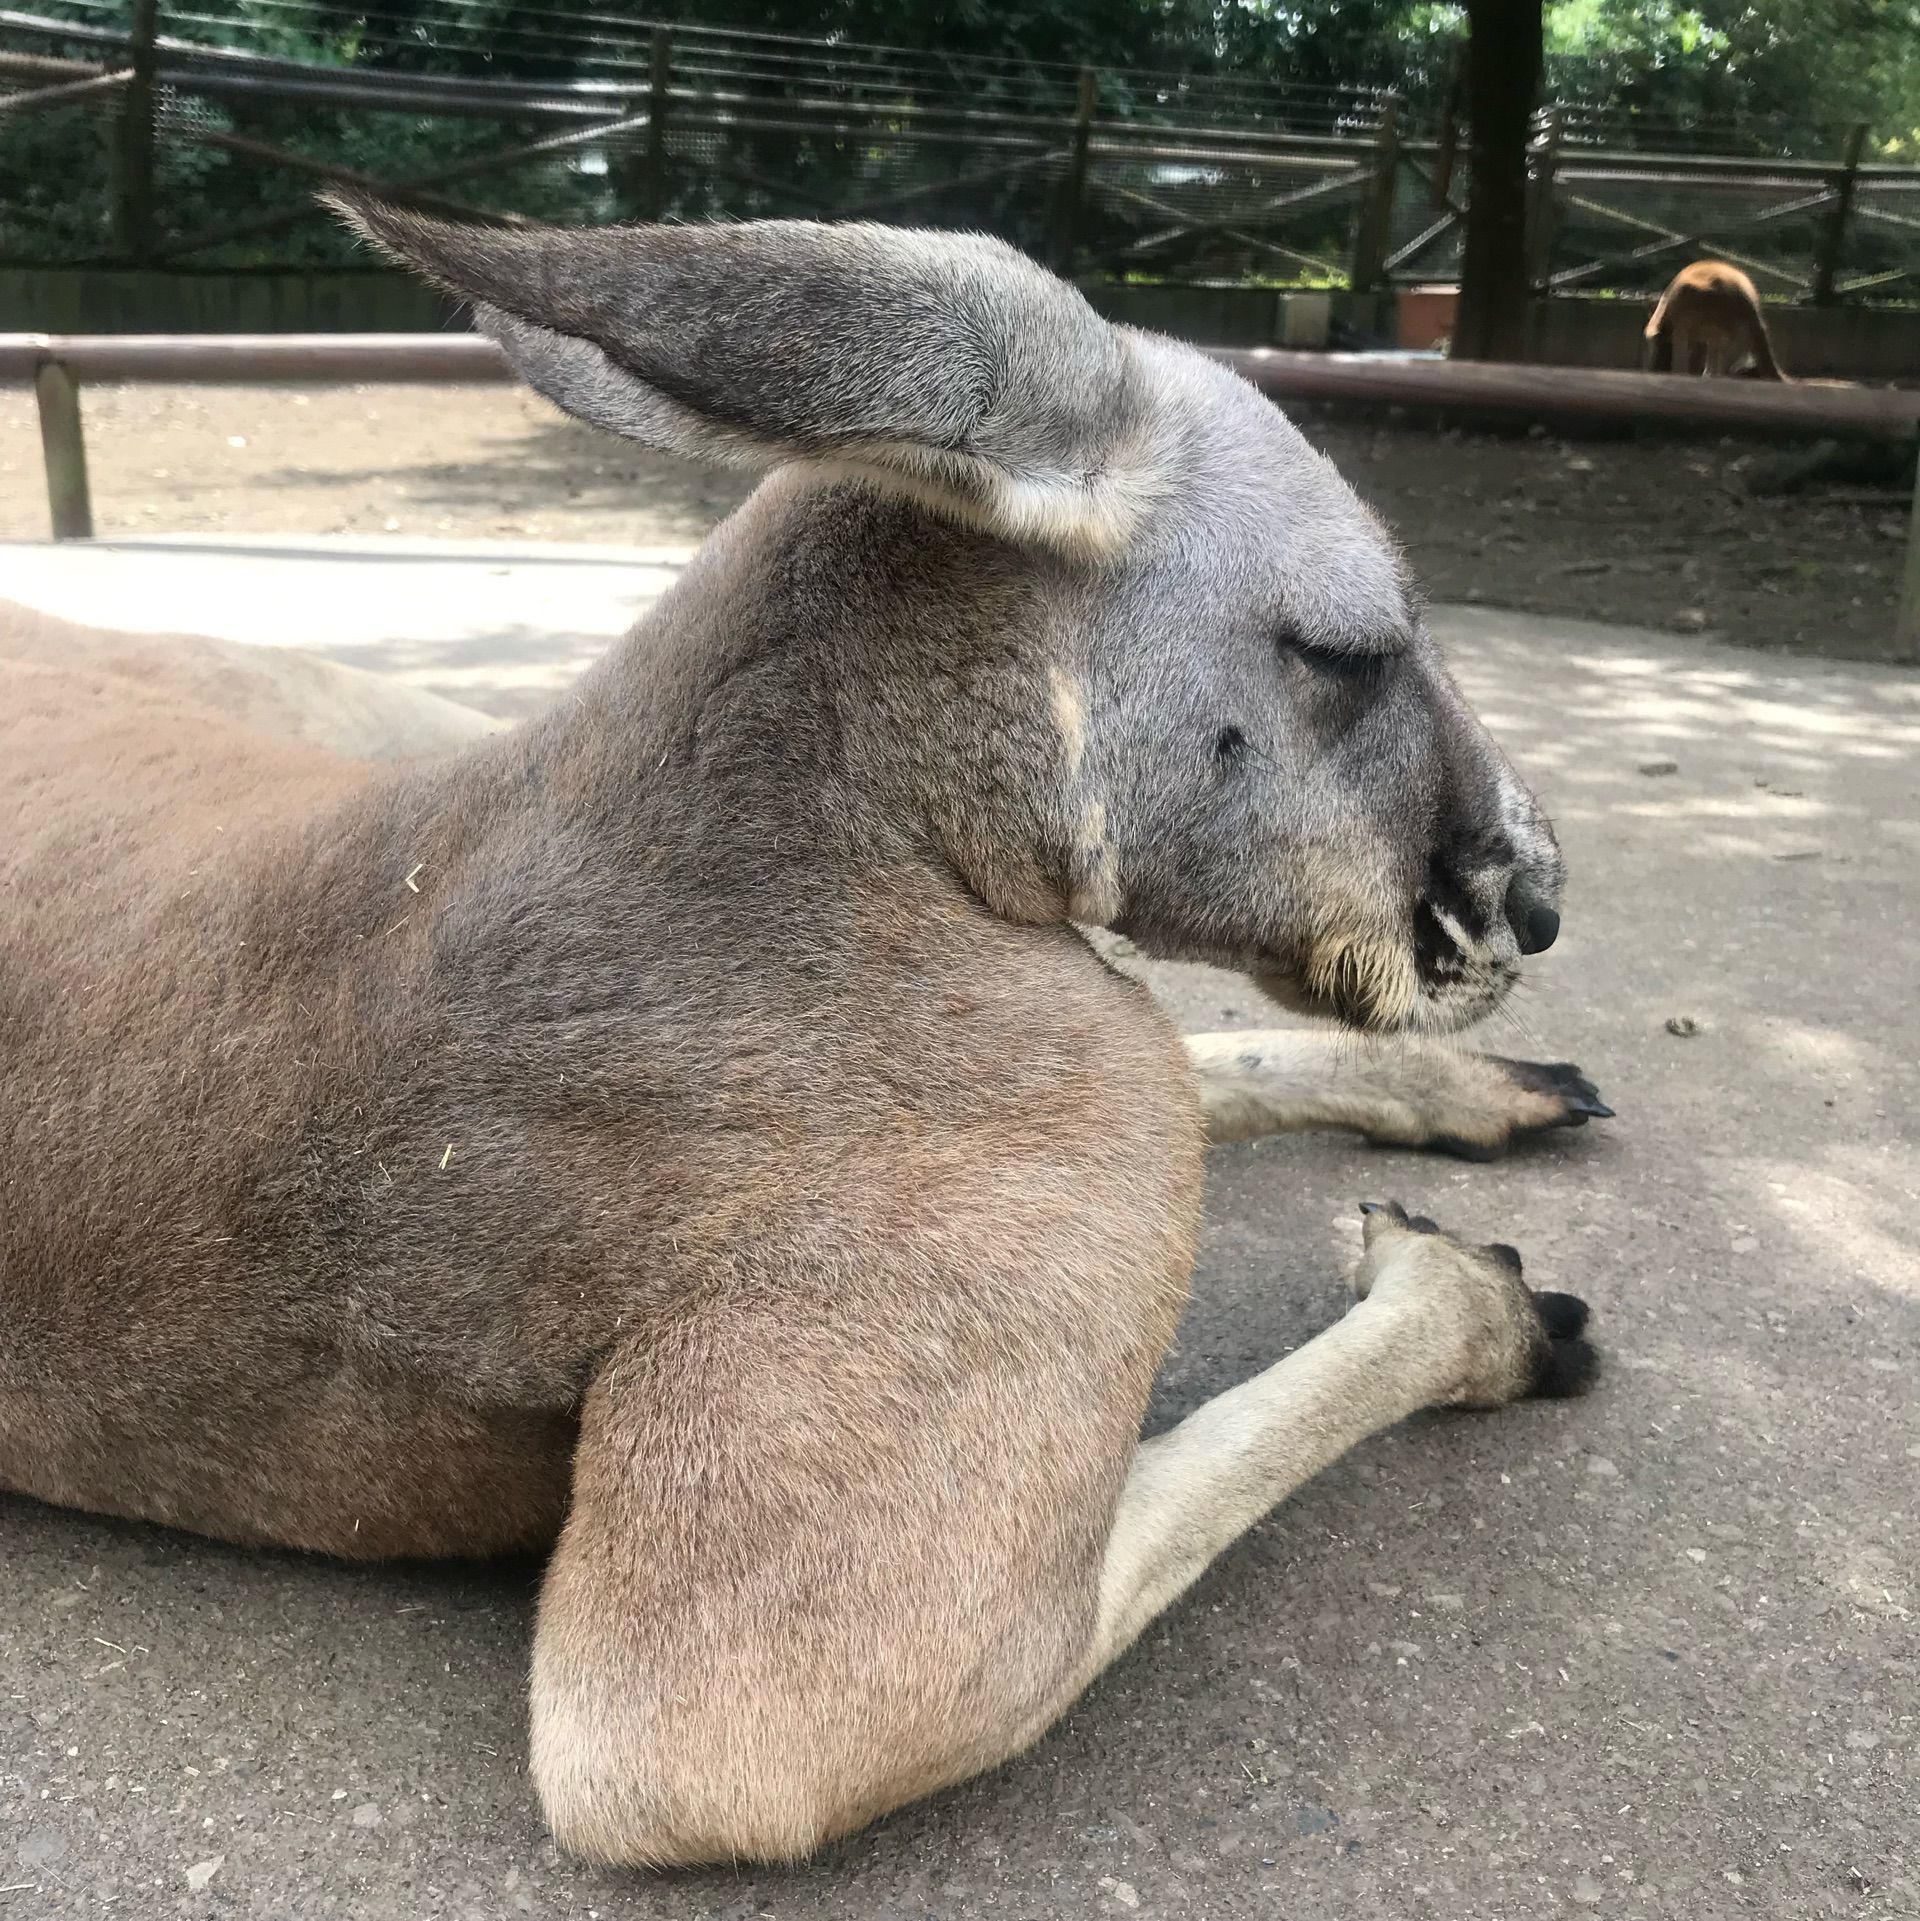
1709	321
689	1125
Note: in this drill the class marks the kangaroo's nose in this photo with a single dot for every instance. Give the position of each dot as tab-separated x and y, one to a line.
1536	926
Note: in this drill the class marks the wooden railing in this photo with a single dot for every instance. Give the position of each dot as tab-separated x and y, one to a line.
57	364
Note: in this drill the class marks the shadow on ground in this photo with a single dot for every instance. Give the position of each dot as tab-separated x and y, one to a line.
544	466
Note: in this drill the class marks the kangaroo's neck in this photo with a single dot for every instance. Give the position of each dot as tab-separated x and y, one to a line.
838	677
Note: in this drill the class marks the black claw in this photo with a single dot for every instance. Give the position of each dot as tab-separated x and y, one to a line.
1564	1369
1579	1099
1416	1223
1562	1315
1565	1365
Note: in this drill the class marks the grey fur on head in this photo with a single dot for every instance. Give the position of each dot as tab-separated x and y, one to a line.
1151	666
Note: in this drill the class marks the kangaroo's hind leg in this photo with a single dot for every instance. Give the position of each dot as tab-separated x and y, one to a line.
800	1587
1438	1323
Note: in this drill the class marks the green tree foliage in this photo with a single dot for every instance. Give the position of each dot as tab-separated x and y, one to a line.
1791	74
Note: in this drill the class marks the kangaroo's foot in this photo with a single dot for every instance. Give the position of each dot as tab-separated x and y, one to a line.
1397	1090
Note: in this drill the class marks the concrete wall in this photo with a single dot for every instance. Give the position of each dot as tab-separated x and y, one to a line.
1841	343
116	301
108	300
1241	316
1863	343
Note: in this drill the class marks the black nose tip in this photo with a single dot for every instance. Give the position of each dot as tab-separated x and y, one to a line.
1535	925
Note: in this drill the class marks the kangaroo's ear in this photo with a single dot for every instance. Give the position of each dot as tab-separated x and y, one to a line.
946	364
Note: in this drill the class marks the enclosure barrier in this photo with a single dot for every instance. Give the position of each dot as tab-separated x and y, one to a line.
57	364
178	152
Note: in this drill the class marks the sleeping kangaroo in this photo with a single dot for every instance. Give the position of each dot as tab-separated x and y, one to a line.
1710	320
688	1130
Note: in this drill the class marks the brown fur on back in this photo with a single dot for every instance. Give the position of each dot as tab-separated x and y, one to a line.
1713	307
170	1020
328	1197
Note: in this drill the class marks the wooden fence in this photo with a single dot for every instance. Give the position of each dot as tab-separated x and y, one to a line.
197	154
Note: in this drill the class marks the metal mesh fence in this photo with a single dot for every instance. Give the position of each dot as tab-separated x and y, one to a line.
1207	209
583	115
1425	232
1883	253
1627	232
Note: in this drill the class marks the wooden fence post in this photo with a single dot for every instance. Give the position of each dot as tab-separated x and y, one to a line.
1833	242
653	175
1066	213
63	449
133	158
1906	611
1449	141
1542	214
1373	231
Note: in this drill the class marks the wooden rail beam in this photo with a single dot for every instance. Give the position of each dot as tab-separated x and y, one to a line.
1810	408
13	105
1804	407
47	66
248	359
1801	408
57	364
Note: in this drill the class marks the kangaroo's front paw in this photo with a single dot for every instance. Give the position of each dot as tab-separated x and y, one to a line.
1518	1100
1512	1342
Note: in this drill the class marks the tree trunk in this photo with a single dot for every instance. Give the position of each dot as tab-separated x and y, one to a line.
1503	83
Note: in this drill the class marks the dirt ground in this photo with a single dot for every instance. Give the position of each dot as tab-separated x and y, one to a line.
1654	532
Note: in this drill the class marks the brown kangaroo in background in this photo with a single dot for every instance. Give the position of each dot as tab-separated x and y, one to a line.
689	1127
1709	320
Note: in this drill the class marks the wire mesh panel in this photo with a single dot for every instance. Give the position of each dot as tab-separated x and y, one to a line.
56	161
244	109
1883	252
1424	230
1213	209
931	171
1630	232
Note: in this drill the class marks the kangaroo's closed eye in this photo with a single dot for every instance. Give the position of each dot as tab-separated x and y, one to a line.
1351	666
